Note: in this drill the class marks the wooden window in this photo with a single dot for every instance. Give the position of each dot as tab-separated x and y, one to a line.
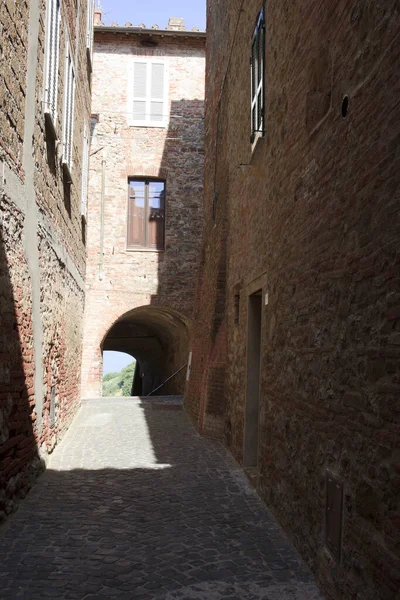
146	214
258	79
51	61
69	101
85	172
89	29
148	94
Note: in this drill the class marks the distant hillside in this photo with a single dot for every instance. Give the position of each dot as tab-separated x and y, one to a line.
119	384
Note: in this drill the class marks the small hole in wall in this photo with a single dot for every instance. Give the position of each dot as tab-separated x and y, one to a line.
237	309
52	406
345	106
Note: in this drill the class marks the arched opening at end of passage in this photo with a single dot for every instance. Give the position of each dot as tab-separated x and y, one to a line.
158	338
118	374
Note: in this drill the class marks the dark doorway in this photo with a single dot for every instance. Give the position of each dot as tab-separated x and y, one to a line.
250	450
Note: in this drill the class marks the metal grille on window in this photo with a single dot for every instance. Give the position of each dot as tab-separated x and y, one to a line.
53	44
257	78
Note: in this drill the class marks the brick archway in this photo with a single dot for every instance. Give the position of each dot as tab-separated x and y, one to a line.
156	336
137	169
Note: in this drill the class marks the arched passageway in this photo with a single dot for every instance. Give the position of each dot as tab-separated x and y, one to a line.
158	338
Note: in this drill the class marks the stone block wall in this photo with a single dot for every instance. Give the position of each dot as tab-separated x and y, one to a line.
311	218
42	245
120	280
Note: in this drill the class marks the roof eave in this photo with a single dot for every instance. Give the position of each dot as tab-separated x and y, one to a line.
150	32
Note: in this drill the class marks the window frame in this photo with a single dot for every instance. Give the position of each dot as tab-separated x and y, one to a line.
69	110
146	181
257	81
53	28
147	122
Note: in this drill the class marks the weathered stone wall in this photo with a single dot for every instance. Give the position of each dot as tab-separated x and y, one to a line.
42	251
121	280
313	221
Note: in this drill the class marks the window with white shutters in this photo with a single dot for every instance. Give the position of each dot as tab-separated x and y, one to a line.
148	94
258	79
89	29
69	99
85	172
51	61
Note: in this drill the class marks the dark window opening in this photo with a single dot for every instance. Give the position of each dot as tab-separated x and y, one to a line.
333	515
258	78
345	106
146	214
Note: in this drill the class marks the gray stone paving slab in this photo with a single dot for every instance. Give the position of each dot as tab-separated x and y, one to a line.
136	505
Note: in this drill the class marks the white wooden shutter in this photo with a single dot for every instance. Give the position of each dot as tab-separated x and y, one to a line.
69	101
157	92
85	172
140	91
257	79
52	57
89	27
72	113
147	102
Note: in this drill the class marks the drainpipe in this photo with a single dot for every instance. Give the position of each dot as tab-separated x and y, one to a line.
103	188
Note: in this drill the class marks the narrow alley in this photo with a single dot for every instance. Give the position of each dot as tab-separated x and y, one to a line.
135	504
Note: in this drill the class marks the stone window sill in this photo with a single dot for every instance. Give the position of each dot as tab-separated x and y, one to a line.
145	250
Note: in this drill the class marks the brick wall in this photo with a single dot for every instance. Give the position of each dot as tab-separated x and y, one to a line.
13	52
42	250
121	280
311	218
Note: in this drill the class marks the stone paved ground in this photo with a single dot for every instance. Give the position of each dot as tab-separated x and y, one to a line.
135	505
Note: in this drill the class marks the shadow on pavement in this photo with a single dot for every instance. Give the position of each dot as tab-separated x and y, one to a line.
183	524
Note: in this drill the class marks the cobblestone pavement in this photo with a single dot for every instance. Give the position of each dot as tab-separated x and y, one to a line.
136	505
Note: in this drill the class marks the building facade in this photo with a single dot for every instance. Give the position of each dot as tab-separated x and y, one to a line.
45	111
295	348
145	209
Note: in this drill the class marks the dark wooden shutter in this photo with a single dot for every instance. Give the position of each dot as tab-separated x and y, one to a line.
156	215
136	215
